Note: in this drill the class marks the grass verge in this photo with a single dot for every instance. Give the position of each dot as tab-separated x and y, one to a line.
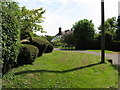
106	51
63	69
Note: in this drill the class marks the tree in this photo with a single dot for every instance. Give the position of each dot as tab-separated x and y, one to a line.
110	27
30	21
49	38
108	37
117	37
84	30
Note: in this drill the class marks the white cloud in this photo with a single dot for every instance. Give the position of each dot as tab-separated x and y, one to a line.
53	21
69	11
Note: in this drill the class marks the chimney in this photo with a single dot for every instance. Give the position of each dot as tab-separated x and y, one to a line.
60	31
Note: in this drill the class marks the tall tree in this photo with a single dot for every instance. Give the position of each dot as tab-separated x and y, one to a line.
30	21
83	32
110	26
84	29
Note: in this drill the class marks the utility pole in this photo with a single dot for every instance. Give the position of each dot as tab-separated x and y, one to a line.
103	33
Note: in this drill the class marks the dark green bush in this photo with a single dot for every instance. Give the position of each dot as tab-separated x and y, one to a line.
27	54
43	45
49	48
40	44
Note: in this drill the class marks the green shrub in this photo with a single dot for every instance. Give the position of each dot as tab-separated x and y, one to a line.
27	54
43	45
10	34
49	48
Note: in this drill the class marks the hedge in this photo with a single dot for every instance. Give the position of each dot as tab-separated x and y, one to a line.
40	44
10	35
27	54
96	45
49	48
43	45
91	44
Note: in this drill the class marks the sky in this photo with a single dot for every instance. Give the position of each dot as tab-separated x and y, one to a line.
64	13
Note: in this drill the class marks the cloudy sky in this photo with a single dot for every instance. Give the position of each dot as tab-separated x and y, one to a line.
64	13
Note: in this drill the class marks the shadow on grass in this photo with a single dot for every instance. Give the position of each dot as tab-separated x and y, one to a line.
55	71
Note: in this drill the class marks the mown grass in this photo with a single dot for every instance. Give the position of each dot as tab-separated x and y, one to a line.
106	51
63	69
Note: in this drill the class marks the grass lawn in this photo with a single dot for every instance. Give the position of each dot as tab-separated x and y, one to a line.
106	51
63	69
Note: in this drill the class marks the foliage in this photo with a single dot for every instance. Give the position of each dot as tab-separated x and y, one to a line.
117	37
68	39
113	46
83	32
57	42
63	69
110	26
10	34
49	38
35	35
27	54
84	29
86	45
30	20
49	48
40	43
108	37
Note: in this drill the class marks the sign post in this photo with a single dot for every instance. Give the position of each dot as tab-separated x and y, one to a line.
103	33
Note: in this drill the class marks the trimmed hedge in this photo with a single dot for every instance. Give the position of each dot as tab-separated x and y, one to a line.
49	48
27	54
40	44
91	44
96	45
43	45
114	46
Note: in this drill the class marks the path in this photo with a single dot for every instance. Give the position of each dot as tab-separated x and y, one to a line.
114	56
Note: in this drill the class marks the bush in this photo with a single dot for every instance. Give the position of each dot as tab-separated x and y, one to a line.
10	34
40	43
27	54
49	48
